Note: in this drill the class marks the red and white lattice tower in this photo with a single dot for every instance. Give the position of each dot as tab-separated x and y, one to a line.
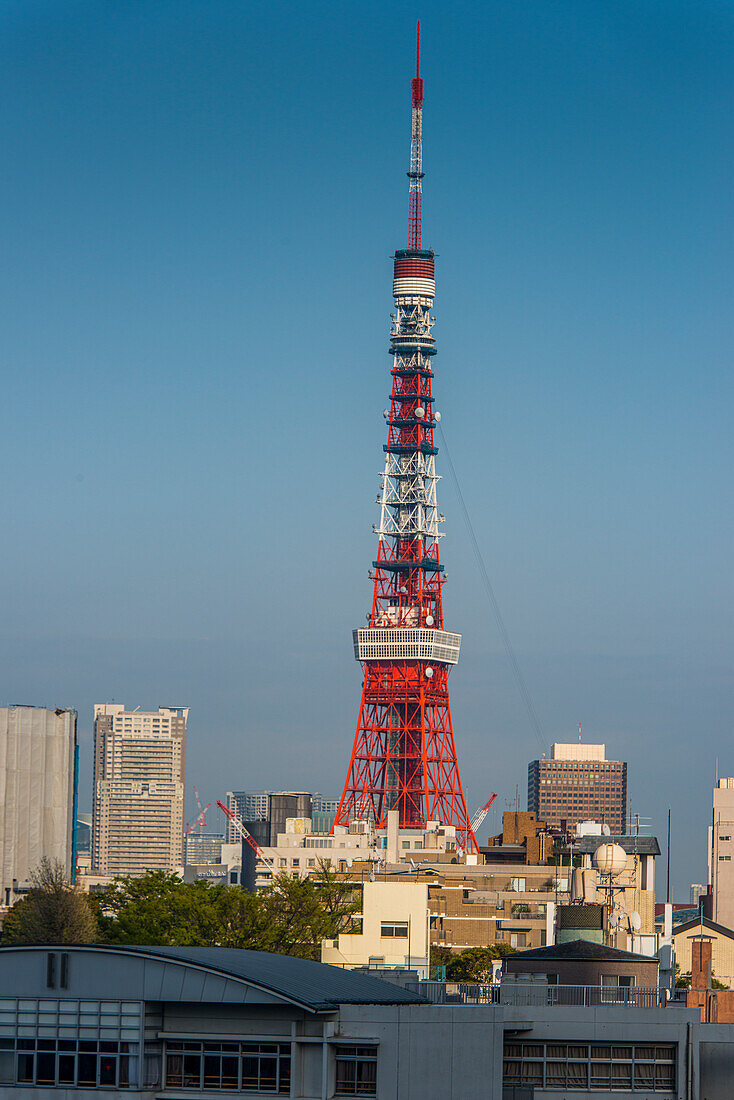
404	757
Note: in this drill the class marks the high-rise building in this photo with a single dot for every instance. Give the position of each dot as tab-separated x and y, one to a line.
139	774
270	809
578	784
202	848
720	904
38	768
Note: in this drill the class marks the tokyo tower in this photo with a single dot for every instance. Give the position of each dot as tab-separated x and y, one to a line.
404	757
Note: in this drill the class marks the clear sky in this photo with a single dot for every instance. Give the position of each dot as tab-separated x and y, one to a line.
198	204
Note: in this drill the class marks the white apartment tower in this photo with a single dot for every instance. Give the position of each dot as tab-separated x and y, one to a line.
38	749
139	775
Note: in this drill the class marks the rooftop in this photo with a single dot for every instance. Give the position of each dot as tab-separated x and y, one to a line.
578	949
311	984
633	845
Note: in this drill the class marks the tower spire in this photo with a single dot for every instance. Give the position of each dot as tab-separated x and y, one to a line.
404	758
415	175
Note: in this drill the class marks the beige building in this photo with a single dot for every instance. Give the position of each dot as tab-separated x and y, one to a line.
393	930
37	781
720	906
722	948
139	775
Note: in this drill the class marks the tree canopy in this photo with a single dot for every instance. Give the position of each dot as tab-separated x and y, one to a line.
472	965
53	911
290	917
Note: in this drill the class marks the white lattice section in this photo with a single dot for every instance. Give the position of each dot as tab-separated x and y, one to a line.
374	644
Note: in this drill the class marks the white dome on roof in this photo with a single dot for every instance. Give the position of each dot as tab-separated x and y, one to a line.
610	859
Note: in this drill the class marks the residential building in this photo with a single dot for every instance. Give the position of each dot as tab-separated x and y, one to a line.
139	775
391	930
173	1021
719	906
581	962
578	784
38	770
722	947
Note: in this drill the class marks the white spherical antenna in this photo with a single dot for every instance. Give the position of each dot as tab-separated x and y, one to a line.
420	412
429	620
437	416
610	859
429	672
636	921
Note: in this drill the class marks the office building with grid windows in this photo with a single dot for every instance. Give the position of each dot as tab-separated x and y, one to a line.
578	784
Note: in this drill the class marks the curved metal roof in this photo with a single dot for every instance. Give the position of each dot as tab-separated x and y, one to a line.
311	984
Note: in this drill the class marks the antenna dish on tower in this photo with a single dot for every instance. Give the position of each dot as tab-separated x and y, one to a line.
636	921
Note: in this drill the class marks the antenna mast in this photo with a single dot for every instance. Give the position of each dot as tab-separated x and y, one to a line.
415	175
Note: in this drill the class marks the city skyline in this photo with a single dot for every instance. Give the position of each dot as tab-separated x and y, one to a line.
173	515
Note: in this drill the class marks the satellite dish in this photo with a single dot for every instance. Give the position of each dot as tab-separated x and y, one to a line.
429	672
437	416
636	921
605	831
614	920
429	620
420	411
386	414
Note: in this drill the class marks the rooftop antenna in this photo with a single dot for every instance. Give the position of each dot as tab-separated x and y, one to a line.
415	175
579	733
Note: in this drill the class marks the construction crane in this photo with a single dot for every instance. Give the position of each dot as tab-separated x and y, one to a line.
242	831
482	812
200	819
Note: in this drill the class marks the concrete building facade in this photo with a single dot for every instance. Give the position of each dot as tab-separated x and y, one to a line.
38	768
139	776
392	930
172	1022
578	784
720	905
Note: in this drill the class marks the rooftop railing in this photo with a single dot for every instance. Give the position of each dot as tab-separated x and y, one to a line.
536	993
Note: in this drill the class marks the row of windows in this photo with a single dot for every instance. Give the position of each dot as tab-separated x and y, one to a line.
244	1067
261	1067
71	1063
602	1066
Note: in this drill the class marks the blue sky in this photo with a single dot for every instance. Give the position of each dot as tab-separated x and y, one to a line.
198	202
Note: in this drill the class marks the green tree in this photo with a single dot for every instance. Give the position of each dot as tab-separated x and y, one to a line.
53	911
290	917
160	908
475	964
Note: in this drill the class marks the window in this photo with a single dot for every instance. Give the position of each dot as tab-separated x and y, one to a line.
69	1062
394	929
724	859
603	1066
356	1071
724	838
246	1067
518	884
517	939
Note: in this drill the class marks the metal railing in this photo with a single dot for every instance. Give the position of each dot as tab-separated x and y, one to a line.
538	993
